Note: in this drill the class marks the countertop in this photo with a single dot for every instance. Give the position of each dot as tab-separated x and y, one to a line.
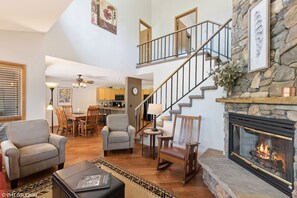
114	108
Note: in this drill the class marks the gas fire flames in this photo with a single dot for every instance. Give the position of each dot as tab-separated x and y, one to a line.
264	152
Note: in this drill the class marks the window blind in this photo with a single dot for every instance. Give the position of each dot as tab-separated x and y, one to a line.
11	89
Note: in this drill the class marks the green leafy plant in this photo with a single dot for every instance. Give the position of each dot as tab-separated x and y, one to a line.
225	76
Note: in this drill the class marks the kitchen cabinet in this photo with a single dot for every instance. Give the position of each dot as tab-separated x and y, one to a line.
108	93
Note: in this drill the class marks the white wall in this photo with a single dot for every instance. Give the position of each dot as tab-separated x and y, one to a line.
81	97
163	12
75	38
28	49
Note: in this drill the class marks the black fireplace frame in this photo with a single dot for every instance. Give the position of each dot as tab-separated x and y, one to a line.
276	126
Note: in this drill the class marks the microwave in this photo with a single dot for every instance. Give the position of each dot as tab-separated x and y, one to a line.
119	97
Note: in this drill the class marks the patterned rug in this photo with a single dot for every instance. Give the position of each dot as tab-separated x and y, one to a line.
134	185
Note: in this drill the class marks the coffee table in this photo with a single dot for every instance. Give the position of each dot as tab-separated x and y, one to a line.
66	180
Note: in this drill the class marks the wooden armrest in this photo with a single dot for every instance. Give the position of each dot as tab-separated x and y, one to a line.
83	121
192	144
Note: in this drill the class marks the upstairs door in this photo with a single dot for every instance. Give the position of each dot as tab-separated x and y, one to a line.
183	37
145	35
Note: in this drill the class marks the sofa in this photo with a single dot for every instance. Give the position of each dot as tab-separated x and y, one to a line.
117	134
30	148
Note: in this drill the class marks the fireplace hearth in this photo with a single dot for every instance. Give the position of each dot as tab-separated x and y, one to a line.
264	146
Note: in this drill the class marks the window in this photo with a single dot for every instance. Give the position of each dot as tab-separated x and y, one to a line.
12	91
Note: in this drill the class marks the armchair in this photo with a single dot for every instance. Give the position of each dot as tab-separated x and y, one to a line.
30	148
118	134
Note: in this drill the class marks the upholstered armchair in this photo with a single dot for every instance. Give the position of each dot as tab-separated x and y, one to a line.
118	134
30	148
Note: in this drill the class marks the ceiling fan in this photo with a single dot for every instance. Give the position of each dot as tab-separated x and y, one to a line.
80	82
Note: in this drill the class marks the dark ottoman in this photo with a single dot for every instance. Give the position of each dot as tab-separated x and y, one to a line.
66	180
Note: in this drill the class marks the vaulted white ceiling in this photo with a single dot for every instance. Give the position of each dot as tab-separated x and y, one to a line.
30	15
67	71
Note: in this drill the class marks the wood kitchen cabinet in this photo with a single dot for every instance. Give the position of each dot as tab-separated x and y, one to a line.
108	93
104	94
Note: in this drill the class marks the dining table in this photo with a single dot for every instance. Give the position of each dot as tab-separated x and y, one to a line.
75	117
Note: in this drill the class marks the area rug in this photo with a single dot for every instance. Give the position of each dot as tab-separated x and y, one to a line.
135	186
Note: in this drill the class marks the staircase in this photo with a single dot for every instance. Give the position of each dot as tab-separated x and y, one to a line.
188	104
192	74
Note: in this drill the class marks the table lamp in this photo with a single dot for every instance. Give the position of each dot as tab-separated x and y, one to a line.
154	109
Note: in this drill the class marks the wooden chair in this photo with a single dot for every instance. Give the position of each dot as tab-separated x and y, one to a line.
58	114
68	110
66	124
90	123
182	148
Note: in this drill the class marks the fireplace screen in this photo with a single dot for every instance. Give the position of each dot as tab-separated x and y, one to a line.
267	154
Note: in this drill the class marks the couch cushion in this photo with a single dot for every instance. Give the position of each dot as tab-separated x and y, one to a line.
117	122
25	133
118	136
37	152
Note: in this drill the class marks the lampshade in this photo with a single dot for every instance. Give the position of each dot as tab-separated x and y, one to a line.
154	109
50	107
51	84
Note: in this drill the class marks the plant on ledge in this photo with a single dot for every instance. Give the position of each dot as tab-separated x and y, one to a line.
225	76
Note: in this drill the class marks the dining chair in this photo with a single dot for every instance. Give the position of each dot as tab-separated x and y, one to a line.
66	124
68	110
182	147
58	114
90	124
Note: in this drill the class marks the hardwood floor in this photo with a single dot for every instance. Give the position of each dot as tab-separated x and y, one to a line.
82	148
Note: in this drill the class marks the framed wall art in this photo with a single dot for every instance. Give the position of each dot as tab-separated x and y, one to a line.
104	15
64	96
259	35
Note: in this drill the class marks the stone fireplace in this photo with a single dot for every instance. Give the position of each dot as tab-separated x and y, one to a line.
265	147
259	95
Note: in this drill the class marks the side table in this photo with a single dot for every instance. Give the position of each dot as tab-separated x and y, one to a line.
152	136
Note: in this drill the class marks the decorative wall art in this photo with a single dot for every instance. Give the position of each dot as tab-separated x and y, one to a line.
64	96
259	36
104	15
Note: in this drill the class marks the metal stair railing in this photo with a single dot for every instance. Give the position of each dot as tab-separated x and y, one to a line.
192	73
189	40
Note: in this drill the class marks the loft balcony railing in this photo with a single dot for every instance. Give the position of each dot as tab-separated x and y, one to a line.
177	44
192	73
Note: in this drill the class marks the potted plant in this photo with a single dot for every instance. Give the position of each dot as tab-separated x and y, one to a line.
225	76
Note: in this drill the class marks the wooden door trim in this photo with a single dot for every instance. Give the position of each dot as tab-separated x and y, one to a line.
195	10
141	22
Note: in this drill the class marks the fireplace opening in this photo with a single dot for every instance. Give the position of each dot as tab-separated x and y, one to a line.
265	147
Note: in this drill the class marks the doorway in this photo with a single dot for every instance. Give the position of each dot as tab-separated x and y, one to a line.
183	37
145	35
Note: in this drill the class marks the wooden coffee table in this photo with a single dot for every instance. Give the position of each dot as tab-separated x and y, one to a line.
66	180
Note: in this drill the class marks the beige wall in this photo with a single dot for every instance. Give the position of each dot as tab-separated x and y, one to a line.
132	101
27	48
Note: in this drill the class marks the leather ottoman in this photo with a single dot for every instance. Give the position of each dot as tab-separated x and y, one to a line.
66	180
